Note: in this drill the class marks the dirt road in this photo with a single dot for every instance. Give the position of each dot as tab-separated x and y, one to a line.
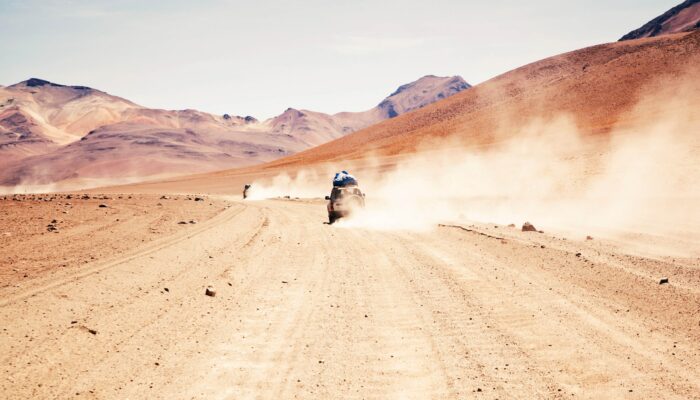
307	310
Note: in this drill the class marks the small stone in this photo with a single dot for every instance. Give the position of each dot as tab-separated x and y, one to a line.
578	254
210	291
192	221
103	205
182	222
589	237
663	281
198	199
528	227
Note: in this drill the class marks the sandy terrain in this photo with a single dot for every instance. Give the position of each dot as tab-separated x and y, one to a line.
412	297
307	310
43	234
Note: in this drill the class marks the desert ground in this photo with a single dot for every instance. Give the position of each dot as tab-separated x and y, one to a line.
303	309
177	288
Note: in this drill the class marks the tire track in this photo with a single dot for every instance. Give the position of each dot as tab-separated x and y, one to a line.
160	244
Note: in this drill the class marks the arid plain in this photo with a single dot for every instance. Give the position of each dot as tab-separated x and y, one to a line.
179	288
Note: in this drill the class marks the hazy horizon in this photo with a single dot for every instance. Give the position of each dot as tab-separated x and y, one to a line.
258	59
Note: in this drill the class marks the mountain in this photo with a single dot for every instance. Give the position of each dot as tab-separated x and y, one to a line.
420	93
37	116
315	128
684	17
597	88
51	133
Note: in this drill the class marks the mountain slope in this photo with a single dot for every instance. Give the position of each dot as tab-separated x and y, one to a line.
37	116
420	93
684	17
51	133
64	113
597	88
315	128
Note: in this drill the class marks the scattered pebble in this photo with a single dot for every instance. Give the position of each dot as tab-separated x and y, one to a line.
528	227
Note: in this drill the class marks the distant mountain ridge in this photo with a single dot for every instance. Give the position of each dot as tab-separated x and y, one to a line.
431	89
684	17
51	132
316	128
36	82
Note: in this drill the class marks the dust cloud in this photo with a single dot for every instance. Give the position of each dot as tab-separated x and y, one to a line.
306	184
73	185
641	177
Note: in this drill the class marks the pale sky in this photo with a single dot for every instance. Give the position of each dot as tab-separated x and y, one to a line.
259	57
